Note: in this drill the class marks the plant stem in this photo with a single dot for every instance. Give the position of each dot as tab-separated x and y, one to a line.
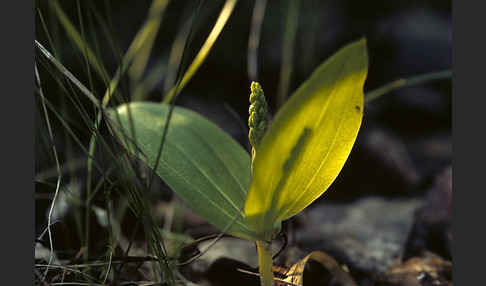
396	84
265	263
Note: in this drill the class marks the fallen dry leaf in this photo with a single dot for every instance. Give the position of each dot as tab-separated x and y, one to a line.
322	270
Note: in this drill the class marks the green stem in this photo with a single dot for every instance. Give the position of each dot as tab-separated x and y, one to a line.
265	263
396	84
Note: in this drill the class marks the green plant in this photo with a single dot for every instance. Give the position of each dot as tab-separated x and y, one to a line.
292	163
210	171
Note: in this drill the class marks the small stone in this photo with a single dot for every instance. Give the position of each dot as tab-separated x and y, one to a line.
368	235
432	228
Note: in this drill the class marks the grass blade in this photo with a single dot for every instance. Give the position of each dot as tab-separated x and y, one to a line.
75	36
58	168
254	39
205	49
288	50
67	73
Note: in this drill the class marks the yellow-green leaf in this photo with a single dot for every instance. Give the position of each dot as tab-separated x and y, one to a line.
199	161
309	141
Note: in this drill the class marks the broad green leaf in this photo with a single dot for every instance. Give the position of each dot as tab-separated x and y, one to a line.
201	163
308	142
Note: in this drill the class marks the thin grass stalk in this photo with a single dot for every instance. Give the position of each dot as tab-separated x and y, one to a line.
177	50
85	52
205	49
58	166
254	39
141	57
171	69
291	26
67	73
78	39
150	27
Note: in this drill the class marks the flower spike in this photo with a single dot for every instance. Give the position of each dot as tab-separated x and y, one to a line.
257	120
